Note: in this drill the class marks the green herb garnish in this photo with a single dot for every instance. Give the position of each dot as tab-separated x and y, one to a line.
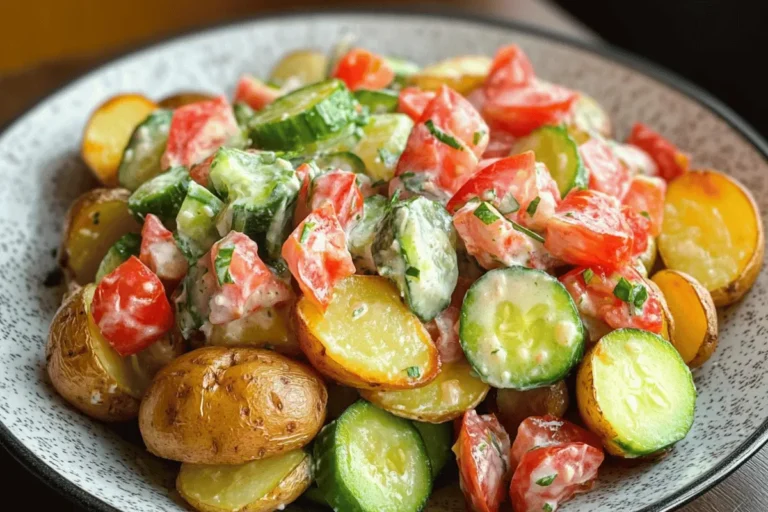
478	136
221	265
412	272
645	214
485	214
546	481
526	231
413	372
443	137
588	274
305	231
635	295
533	205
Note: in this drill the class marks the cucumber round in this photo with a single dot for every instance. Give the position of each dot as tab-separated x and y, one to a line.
126	246
380	101
362	235
141	158
369	460
305	116
437	439
343	160
403	69
520	329
555	148
161	196
636	392
196	222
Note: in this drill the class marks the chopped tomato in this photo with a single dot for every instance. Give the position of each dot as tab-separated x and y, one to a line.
255	93
244	283
520	110
482	452
499	145
641	228
361	69
130	308
589	228
621	298
159	251
646	194
670	161
635	159
199	172
197	130
510	69
317	256
606	172
413	101
543	431
454	115
546	477
444	328
340	188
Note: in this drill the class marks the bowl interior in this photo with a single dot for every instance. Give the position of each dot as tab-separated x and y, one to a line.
41	174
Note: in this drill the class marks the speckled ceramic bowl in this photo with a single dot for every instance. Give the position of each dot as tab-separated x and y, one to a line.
41	173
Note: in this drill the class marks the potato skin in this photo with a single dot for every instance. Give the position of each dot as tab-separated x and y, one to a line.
515	406
589	408
218	405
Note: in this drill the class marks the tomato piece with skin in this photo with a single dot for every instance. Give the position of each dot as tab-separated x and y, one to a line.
646	194
588	228
444	328
131	308
453	114
601	293
482	452
200	171
338	187
412	101
159	251
670	161
255	93
547	477
317	255
244	283
499	145
542	431
520	110
197	130
606	172
510	69
641	228
361	69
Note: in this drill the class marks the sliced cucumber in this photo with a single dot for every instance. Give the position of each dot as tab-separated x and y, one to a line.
383	140
126	246
161	196
520	329
415	248
261	191
636	391
192	303
437	441
243	114
361	236
403	69
141	158
555	148
305	116
380	101
371	461
196	222
343	160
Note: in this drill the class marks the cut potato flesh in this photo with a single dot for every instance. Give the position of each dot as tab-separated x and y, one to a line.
265	328
367	338
302	67
712	231
695	332
462	74
453	391
108	131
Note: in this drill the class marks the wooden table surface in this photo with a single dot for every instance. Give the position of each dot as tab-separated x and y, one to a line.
743	491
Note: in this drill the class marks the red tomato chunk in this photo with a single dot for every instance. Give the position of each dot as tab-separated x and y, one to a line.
646	194
542	431
361	69
670	161
255	93
159	251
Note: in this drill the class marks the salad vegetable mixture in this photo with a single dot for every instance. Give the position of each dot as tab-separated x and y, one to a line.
375	265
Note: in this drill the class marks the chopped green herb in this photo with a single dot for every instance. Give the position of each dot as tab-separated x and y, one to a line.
588	274
485	214
623	290
413	372
533	205
305	231
357	313
413	272
478	136
547	508
645	214
631	294
569	215
641	295
95	218
221	265
408	174
494	351
443	137
387	157
395	197
508	204
482	447
527	231
546	481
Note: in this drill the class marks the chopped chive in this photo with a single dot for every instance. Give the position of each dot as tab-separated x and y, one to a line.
443	137
588	274
508	204
527	231
494	351
413	372
546	481
623	290
357	313
569	215
408	174
485	214
413	272
547	508
641	295
533	205
387	157
221	265
478	136
645	214
305	231
95	218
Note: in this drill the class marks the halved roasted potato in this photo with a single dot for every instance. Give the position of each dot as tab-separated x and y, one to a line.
301	67
462	74
514	406
713	231
87	371
695	331
219	405
95	221
180	99
453	391
108	131
367	338
257	486
265	328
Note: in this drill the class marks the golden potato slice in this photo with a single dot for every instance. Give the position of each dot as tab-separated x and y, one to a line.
108	131
367	338
301	67
94	222
514	406
89	374
452	392
695	331
180	99
713	231
266	328
462	74
219	405
257	486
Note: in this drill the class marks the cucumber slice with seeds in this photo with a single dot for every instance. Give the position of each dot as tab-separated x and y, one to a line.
380	101
126	246
141	158
362	235
437	439
382	142
343	160
305	116
196	222
161	196
371	461
520	329
403	69
555	148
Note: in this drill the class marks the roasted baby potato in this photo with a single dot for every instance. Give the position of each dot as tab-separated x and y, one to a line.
695	327
219	405
108	131
302	67
367	338
95	221
265	328
514	406
180	99
713	231
462	74
87	371
453	391
257	486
